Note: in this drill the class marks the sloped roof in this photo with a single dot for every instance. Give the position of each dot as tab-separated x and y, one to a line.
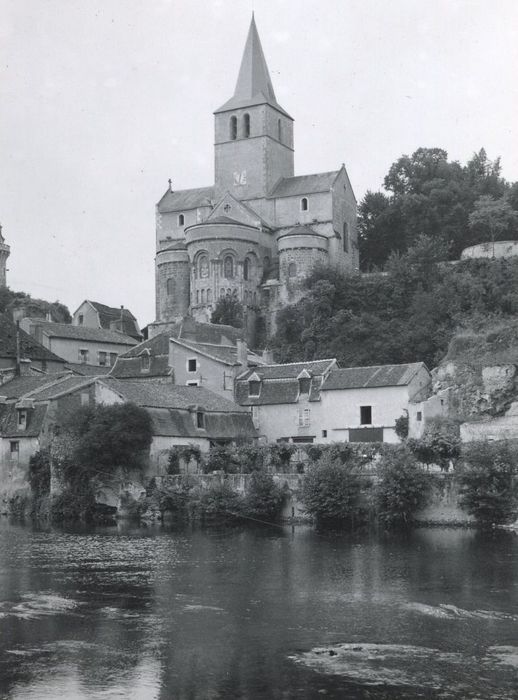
254	85
156	394
110	314
304	184
183	200
157	345
9	421
29	346
131	367
209	333
302	230
290	370
276	391
19	386
369	377
67	330
84	370
59	387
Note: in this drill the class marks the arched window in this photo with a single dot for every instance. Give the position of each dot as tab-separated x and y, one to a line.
222	292
304	204
279	130
209	296
292	270
197	296
246	125
170	287
255	298
233	128
228	267
203	266
234	293
346	236
181	219
246	269
229	292
203	296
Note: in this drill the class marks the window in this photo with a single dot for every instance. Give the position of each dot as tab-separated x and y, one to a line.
203	296
304	204
181	220
345	232
197	296
83	356
193	382
255	416
203	266
113	358
304	385
292	270
279	130
80	319
200	419
228	267
192	364
145	362
304	417
366	415
15	449
22	418
254	388
85	398
233	128
419	416
170	287
246	125
324	433
209	296
102	358
222	292
246	269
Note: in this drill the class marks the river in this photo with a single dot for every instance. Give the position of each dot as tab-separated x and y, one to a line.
142	613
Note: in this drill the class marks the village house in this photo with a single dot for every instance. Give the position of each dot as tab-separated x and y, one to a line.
92	314
306	402
79	344
20	353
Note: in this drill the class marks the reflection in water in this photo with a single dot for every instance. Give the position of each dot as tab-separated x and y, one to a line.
269	613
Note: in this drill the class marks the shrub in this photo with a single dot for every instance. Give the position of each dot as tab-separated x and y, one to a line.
401	426
264	498
222	458
219	501
184	453
488	487
280	455
334	491
403	487
251	458
39	474
440	443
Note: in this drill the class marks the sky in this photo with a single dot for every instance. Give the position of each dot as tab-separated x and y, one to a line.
101	101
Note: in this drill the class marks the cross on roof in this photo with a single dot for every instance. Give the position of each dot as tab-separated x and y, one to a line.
227	208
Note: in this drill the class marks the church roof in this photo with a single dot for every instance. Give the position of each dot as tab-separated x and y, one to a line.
304	184
183	200
302	230
254	85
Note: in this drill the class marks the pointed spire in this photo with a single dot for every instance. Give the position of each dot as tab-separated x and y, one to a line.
254	85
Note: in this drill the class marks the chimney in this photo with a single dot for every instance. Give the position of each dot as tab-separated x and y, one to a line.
242	353
25	367
268	356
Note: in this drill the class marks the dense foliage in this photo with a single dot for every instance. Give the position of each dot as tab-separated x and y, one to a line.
426	193
38	308
403	487
228	311
264	498
489	482
440	443
408	314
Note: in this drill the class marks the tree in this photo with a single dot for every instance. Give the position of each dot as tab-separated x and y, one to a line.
403	487
493	219
264	499
228	311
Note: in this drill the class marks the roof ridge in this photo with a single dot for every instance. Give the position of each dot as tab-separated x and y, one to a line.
301	362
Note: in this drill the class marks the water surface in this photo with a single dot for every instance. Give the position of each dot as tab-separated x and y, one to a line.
127	612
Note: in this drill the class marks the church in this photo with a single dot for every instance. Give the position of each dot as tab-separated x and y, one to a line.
259	229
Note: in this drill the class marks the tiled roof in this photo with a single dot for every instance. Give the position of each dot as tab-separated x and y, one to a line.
290	370
61	386
302	231
211	333
304	184
19	386
366	377
87	370
131	367
29	346
174	245
156	394
170	422
226	220
9	421
158	345
183	200
271	393
221	353
109	315
100	335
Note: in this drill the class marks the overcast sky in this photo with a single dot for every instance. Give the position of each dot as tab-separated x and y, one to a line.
101	101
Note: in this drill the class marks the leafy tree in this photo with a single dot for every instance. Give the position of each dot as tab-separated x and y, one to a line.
403	487
219	501
488	486
228	311
440	443
493	219
264	498
401	426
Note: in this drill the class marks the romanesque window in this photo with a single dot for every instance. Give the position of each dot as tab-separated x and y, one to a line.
279	130
203	266
170	287
345	234
181	219
209	296
304	204
145	362
246	269
222	292
233	128
292	270
203	296
197	296
228	267
246	125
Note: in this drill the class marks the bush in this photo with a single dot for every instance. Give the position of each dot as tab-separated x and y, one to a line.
403	487
335	491
220	502
401	426
39	474
264	499
440	443
280	455
488	487
184	453
74	503
222	458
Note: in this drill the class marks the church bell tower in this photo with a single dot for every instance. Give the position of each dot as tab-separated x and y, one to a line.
253	133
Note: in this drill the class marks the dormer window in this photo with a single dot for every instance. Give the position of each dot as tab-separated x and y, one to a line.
22	418
246	126
254	385
233	128
304	380
304	204
181	220
145	362
200	419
